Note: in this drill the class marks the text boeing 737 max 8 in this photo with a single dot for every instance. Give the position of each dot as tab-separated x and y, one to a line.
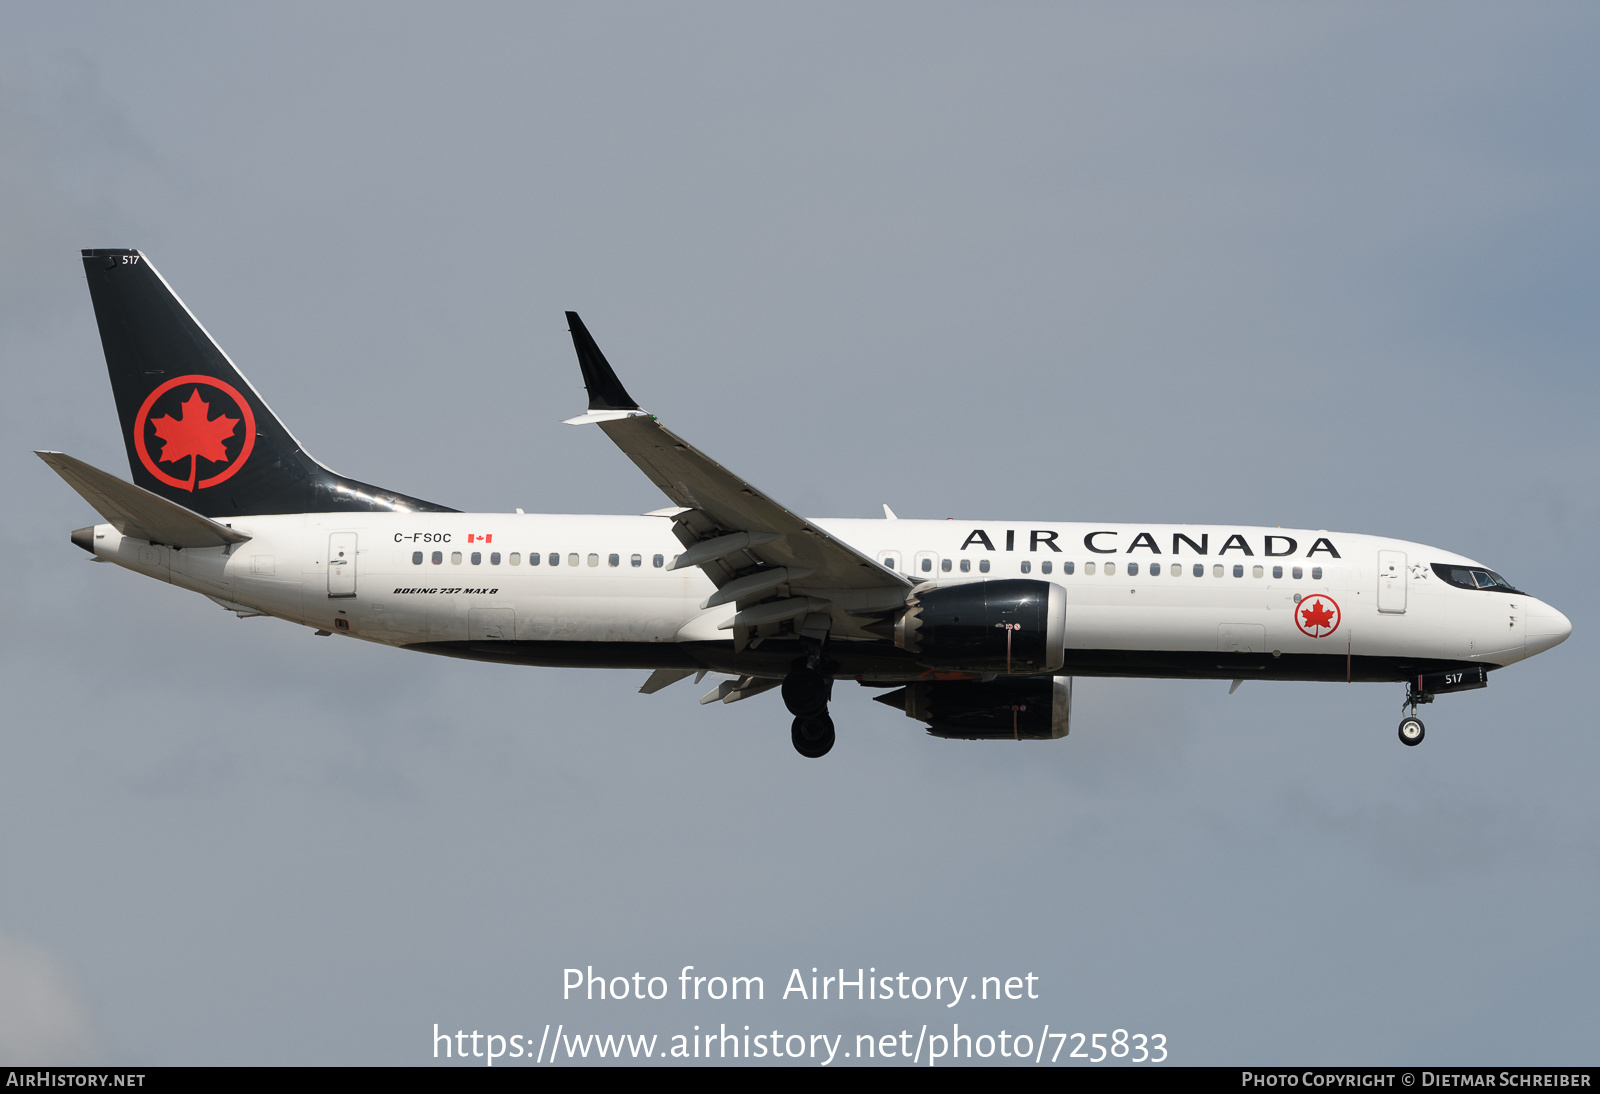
978	626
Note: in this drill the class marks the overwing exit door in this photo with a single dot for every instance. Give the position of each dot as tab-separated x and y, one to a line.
342	564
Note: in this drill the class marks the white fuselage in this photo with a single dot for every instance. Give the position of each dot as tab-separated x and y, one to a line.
1132	589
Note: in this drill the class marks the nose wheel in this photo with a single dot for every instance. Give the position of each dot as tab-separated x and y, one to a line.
1411	729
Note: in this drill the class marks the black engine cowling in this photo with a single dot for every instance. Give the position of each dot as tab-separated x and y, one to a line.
1013	626
1034	708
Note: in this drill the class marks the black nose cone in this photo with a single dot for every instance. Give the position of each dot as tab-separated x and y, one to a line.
84	537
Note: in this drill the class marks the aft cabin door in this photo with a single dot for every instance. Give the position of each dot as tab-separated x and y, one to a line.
342	564
1392	581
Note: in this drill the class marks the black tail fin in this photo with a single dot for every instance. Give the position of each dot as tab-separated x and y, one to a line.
197	432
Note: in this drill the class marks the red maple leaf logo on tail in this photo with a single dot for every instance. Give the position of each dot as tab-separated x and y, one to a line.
195	435
1317	614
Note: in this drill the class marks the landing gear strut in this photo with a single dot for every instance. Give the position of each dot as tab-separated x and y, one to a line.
1411	728
805	693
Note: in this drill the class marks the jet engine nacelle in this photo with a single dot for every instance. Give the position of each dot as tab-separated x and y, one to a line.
1014	626
1032	708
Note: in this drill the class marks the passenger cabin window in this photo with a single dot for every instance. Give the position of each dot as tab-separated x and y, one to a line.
416	558
1200	570
1110	568
983	565
1297	573
555	559
477	558
1133	569
1238	570
455	558
1316	573
572	559
657	561
594	559
1027	567
966	565
944	565
1068	567
1464	577
1257	571
494	558
438	557
1044	567
1088	567
636	561
1277	571
927	565
1155	569
1216	571
516	559
613	560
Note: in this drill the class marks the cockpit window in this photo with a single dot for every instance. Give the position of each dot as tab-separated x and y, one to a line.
1470	577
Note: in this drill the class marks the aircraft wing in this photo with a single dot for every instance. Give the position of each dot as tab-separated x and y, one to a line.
773	563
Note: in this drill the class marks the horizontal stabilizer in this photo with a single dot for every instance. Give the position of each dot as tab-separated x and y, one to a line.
135	511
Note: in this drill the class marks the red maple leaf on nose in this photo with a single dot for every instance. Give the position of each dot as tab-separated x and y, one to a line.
1317	614
195	435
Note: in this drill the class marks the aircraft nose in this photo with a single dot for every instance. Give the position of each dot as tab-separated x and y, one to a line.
1546	628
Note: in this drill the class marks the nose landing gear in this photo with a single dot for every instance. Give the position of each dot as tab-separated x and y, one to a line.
1411	728
805	692
1422	689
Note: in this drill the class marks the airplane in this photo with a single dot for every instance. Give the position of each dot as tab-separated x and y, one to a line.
974	628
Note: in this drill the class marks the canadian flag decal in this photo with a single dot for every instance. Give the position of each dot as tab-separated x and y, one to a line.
474	538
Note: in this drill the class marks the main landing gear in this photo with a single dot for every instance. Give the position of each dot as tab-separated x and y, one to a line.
805	693
1411	728
812	735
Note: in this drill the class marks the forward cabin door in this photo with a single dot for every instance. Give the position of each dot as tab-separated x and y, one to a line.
342	564
1392	581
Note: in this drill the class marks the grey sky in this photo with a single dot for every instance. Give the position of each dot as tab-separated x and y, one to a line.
1236	263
